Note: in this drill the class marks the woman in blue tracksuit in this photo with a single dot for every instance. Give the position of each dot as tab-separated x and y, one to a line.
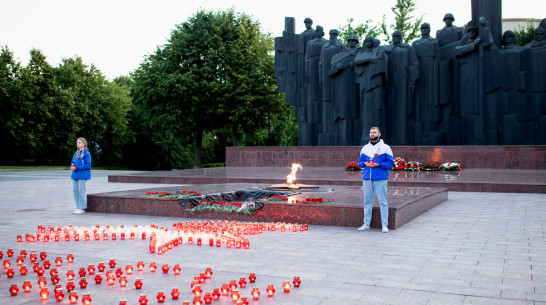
376	159
81	172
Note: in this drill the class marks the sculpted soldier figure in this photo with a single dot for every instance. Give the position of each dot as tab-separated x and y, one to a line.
539	41
329	49
314	98
427	110
370	68
402	74
304	38
345	98
509	40
450	33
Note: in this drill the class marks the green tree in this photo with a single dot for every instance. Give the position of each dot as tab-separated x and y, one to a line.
525	34
205	78
361	30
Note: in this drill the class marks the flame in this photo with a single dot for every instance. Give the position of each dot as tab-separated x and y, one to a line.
292	177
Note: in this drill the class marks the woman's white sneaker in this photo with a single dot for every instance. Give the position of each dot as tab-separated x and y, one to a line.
78	211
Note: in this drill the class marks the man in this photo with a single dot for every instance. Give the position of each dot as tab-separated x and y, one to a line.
376	159
450	33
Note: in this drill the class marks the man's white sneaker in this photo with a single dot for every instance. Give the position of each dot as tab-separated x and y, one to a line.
78	211
364	228
385	229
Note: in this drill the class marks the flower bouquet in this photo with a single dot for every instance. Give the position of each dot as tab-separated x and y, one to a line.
451	166
399	163
352	166
413	166
431	166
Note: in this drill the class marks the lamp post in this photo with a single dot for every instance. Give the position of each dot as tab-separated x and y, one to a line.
268	93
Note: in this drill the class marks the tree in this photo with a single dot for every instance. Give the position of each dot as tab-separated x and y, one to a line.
205	78
360	30
525	34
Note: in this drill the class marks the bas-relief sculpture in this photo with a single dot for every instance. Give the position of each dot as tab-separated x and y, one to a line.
455	89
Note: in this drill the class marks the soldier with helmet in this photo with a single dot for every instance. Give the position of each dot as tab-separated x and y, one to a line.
450	33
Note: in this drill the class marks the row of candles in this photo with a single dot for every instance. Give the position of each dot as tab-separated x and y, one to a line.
162	239
122	279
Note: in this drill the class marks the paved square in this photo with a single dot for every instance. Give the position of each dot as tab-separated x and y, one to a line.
475	248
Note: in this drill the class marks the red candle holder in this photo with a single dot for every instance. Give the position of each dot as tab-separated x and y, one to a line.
202	277
20	260
87	237
19	238
270	290
138	283
6	263
232	285
112	263
140	265
286	286
143	300
175	293
98	278
97	236
73	297
252	277
197	290
216	294
165	268
122	281
83	283
70	286
129	269
43	255
235	295
47	264
297	281
114	237
101	267
86	299
208	272
91	269
13	290
190	240
70	258
70	274
27	286
177	269
59	295
144	235
44	293
161	297
23	253
67	237
58	261
10	272
40	271
224	289
153	267
42	282
244	301
119	272
105	236
9	252
123	302
1	254
197	301
110	279
33	256
255	293
211	242
82	272
242	282
23	270
55	279
132	235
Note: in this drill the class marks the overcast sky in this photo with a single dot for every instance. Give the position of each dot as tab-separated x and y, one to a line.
116	35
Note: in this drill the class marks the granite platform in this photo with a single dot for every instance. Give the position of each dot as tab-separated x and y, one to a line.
405	204
467	180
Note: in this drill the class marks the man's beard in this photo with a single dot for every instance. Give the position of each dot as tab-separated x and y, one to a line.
374	139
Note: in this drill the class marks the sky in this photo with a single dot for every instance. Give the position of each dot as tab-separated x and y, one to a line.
117	35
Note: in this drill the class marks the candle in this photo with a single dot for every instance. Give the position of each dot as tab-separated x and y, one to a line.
202	277
216	294
255	293
129	269
208	272
73	297
23	253
177	269
70	274
165	268
138	283
235	295
232	285
199	241
91	269
70	286
114	236
47	264
98	278
20	260
101	267
153	267
14	290
70	258
244	301
10	252
175	293
59	295
55	279
43	255
297	281
119	272
19	238
82	272
44	294
197	291
242	282
58	261
140	266
23	270
143	300
83	283
10	272
270	290
224	289
112	263
42	281
160	297
6	263
110	279
86	299
286	286
27	286
252	277
123	302
122	281
197	301
40	271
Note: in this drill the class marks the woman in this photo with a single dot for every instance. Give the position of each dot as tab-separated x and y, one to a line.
81	172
